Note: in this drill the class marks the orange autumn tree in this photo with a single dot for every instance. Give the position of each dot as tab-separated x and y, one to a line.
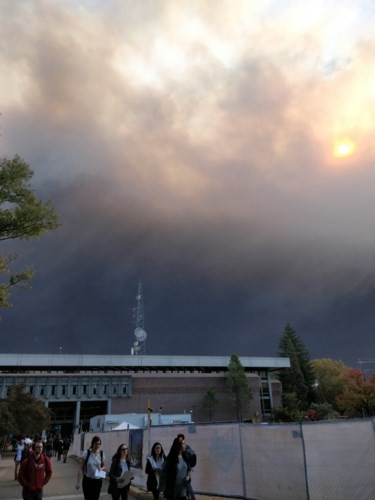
358	397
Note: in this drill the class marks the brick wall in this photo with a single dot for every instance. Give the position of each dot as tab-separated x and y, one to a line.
185	392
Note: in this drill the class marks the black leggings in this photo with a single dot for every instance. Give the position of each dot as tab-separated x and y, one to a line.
121	493
91	488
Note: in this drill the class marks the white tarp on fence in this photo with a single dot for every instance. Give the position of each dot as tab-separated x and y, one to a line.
312	461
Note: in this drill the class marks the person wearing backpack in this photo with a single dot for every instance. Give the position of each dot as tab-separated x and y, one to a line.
175	476
34	473
191	458
91	470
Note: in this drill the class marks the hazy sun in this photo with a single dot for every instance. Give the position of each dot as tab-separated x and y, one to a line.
343	148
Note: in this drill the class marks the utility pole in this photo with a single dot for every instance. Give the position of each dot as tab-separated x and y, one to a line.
149	411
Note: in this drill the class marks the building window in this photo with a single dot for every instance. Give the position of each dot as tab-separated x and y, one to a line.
74	390
42	390
267	405
265	389
124	390
53	390
84	389
63	390
105	389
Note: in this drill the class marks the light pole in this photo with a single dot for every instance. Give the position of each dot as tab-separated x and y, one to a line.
160	410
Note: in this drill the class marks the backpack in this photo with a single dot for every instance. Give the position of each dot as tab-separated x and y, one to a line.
191	456
87	459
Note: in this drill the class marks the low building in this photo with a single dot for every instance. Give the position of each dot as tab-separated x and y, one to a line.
79	387
104	423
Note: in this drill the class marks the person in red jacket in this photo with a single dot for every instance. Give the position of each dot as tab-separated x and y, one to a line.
34	473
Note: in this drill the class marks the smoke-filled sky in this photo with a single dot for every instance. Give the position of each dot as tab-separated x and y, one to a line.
222	152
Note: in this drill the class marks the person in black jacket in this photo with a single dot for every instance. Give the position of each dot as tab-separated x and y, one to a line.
118	485
154	467
191	458
175	477
65	448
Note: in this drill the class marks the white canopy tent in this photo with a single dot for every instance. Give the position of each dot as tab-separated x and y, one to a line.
125	426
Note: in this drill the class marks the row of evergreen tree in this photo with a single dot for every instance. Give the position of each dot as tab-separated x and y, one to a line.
311	389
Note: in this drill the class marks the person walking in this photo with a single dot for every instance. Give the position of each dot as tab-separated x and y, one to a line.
59	447
35	472
65	448
27	449
18	457
92	470
49	447
154	467
120	474
191	458
175	476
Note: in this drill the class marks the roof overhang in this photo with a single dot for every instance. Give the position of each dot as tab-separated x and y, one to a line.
134	363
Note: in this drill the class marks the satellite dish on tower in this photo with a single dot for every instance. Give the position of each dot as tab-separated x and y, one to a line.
140	334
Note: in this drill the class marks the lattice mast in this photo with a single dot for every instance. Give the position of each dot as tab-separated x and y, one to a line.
139	344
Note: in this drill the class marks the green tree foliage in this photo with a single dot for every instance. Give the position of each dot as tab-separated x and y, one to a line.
7	422
210	402
330	383
290	411
238	385
325	411
298	381
22	216
358	397
29	416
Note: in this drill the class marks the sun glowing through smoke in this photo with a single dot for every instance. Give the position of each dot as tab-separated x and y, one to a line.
343	149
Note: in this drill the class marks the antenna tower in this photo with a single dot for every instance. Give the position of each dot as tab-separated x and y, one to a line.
139	344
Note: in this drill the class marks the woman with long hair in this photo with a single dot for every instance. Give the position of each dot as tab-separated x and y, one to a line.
154	467
91	470
176	472
120	481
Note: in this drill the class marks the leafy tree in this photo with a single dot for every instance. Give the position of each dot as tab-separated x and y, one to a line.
22	216
29	415
325	411
210	402
238	385
290	410
299	379
7	423
358	397
330	383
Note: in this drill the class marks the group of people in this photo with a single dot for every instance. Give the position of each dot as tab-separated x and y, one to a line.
170	475
59	446
33	468
92	472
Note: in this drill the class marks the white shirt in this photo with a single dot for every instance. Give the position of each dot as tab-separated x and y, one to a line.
20	448
94	464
